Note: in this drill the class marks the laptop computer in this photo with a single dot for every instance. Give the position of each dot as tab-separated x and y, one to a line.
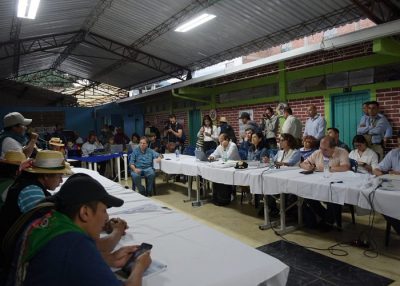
116	148
200	155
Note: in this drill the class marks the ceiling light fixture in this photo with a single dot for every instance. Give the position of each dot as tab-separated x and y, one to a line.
27	8
203	18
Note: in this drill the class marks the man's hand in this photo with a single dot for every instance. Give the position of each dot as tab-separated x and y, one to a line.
34	136
116	225
142	263
119	257
137	171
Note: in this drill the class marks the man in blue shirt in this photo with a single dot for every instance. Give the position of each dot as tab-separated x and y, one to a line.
391	163
141	164
376	129
315	124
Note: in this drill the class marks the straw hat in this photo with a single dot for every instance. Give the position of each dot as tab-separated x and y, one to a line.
223	119
55	141
14	157
50	162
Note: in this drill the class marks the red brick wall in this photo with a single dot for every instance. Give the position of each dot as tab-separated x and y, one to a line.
299	107
389	103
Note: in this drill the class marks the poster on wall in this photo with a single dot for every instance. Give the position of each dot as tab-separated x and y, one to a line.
241	125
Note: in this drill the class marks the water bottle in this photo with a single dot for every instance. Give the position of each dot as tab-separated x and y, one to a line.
326	168
177	154
224	156
271	162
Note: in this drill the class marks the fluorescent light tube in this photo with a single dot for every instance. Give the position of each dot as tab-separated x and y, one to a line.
195	22
27	8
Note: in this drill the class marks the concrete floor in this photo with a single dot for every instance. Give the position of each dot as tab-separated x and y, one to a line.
241	222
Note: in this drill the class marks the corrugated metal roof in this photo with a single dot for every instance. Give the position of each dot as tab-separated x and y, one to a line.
57	16
125	21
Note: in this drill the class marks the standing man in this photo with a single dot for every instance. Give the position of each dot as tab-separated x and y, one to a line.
174	133
315	124
376	129
13	136
224	127
292	125
141	164
248	123
270	126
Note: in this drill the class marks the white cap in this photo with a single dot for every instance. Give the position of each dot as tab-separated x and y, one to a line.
15	118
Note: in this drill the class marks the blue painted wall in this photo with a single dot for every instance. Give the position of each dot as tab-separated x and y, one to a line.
79	119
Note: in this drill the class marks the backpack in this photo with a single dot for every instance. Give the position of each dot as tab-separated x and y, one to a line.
221	194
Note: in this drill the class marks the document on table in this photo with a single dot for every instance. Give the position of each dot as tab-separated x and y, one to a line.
143	209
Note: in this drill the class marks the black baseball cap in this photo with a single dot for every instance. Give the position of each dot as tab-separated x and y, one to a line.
81	188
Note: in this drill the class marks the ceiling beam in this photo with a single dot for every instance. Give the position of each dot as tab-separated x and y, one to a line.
36	44
312	26
133	55
88	24
14	36
172	22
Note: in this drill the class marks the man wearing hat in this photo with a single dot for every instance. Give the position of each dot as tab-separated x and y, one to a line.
248	123
9	167
59	248
32	186
224	127
13	135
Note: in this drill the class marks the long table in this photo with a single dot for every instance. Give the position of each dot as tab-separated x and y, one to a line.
344	187
194	253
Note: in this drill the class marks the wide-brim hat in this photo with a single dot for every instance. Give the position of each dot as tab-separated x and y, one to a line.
13	157
50	162
223	119
15	118
55	141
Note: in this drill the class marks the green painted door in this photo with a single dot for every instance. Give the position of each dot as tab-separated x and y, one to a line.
194	125
346	113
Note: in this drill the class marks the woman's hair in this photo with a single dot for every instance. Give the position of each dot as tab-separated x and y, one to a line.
359	139
135	135
312	139
225	136
291	141
206	117
261	144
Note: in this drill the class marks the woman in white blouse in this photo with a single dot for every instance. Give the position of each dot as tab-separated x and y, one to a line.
366	158
209	131
288	155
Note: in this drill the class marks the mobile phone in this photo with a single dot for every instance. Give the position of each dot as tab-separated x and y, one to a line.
307	172
142	249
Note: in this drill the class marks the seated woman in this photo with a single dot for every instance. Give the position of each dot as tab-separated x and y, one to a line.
366	158
288	155
258	150
310	145
226	148
135	138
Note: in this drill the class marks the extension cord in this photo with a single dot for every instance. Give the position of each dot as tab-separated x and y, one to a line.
360	243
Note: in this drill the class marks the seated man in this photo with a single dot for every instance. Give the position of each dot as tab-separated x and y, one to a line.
64	240
334	133
391	164
226	149
338	162
141	164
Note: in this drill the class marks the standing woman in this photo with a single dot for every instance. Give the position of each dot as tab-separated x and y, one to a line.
288	155
209	131
258	150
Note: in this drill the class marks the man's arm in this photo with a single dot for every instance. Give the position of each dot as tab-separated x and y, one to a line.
321	128
28	148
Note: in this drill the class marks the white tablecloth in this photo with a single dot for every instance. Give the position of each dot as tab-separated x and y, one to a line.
194	253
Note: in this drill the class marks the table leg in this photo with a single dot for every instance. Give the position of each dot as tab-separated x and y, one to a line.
190	183
197	203
283	229
112	168
119	169
267	221
125	156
